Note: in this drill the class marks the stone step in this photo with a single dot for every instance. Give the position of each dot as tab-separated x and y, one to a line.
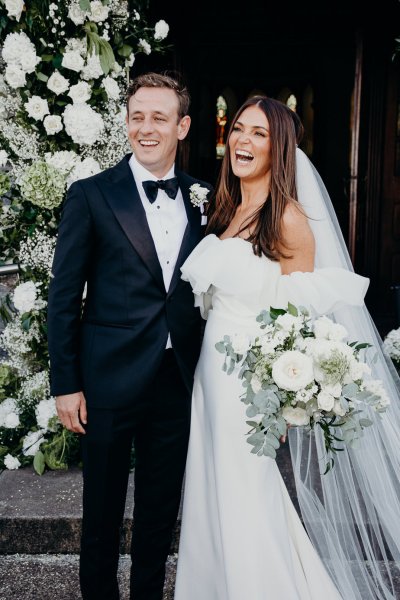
41	515
46	577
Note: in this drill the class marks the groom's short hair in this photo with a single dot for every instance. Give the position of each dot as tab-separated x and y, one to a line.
158	80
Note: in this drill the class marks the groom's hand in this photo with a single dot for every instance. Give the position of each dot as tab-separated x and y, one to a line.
71	410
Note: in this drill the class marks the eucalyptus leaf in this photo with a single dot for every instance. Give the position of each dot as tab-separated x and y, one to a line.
292	310
39	463
220	346
41	76
251	411
365	422
269	450
84	5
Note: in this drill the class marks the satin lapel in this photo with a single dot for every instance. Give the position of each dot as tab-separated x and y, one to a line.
124	200
193	233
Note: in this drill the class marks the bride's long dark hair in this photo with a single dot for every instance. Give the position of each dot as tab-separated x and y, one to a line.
265	224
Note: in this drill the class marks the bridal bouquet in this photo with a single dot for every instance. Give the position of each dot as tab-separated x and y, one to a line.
300	372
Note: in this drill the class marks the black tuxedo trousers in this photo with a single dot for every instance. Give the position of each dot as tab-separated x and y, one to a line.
113	350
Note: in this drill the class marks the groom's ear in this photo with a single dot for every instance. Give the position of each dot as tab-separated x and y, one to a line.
183	127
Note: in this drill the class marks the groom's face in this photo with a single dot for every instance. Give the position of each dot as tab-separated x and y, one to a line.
154	128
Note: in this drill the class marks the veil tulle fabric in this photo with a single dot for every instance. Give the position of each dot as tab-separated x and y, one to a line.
352	514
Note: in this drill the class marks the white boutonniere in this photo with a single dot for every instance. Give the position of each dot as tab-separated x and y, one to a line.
198	197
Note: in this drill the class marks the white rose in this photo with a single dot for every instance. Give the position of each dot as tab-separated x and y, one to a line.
77	15
325	328
240	343
334	390
11	420
145	46
15	77
325	401
338	408
82	123
98	11
24	298
80	92
45	410
289	323
57	83
293	371
37	108
14	8
358	369
111	87
3	158
29	60
161	30
73	61
295	416
52	124
11	462
32	442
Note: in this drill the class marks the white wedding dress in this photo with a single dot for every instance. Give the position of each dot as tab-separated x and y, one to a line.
241	537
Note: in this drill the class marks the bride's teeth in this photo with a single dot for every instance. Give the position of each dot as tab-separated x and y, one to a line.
243	156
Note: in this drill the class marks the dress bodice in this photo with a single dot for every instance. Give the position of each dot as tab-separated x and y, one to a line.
228	277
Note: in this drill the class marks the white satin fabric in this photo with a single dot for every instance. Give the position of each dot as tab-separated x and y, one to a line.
241	537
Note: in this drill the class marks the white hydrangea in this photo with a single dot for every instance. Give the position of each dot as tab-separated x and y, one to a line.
73	61
98	11
57	83
63	160
326	329
45	410
76	14
144	46
37	107
93	68
76	45
26	299
80	93
82	123
161	30
86	168
53	124
376	387
32	442
111	87
3	158
14	8
9	413
15	77
391	344
333	389
295	416
17	48
289	322
358	369
11	462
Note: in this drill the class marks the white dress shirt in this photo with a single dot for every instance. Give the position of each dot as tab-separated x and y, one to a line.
166	218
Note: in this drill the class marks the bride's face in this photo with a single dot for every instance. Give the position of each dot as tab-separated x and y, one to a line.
250	145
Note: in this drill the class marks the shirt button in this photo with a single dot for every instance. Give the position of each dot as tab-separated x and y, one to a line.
166	232
158	207
167	262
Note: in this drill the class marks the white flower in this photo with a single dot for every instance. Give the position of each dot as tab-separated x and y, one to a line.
15	76
3	158
240	343
289	322
11	421
76	45
338	408
73	61
117	70
111	87
358	369
198	195
57	83
325	401
295	415
63	160
293	371
375	386
76	14
93	68
52	124
37	107
145	46
45	410
14	8
98	11
392	344
32	442
325	328
88	167
161	30
11	462
268	344
16	45
80	93
333	389
29	60
25	295
82	123
304	395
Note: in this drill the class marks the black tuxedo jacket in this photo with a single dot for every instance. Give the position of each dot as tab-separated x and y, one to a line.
112	349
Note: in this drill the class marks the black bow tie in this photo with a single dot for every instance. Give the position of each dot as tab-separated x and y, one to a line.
170	187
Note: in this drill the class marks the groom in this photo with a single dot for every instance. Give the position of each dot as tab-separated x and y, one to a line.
122	369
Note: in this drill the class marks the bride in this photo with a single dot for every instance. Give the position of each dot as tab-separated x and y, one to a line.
273	238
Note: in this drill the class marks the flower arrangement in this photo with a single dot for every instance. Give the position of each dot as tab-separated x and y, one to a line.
300	372
65	69
391	345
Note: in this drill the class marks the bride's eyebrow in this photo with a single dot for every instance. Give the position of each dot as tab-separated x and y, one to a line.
252	126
